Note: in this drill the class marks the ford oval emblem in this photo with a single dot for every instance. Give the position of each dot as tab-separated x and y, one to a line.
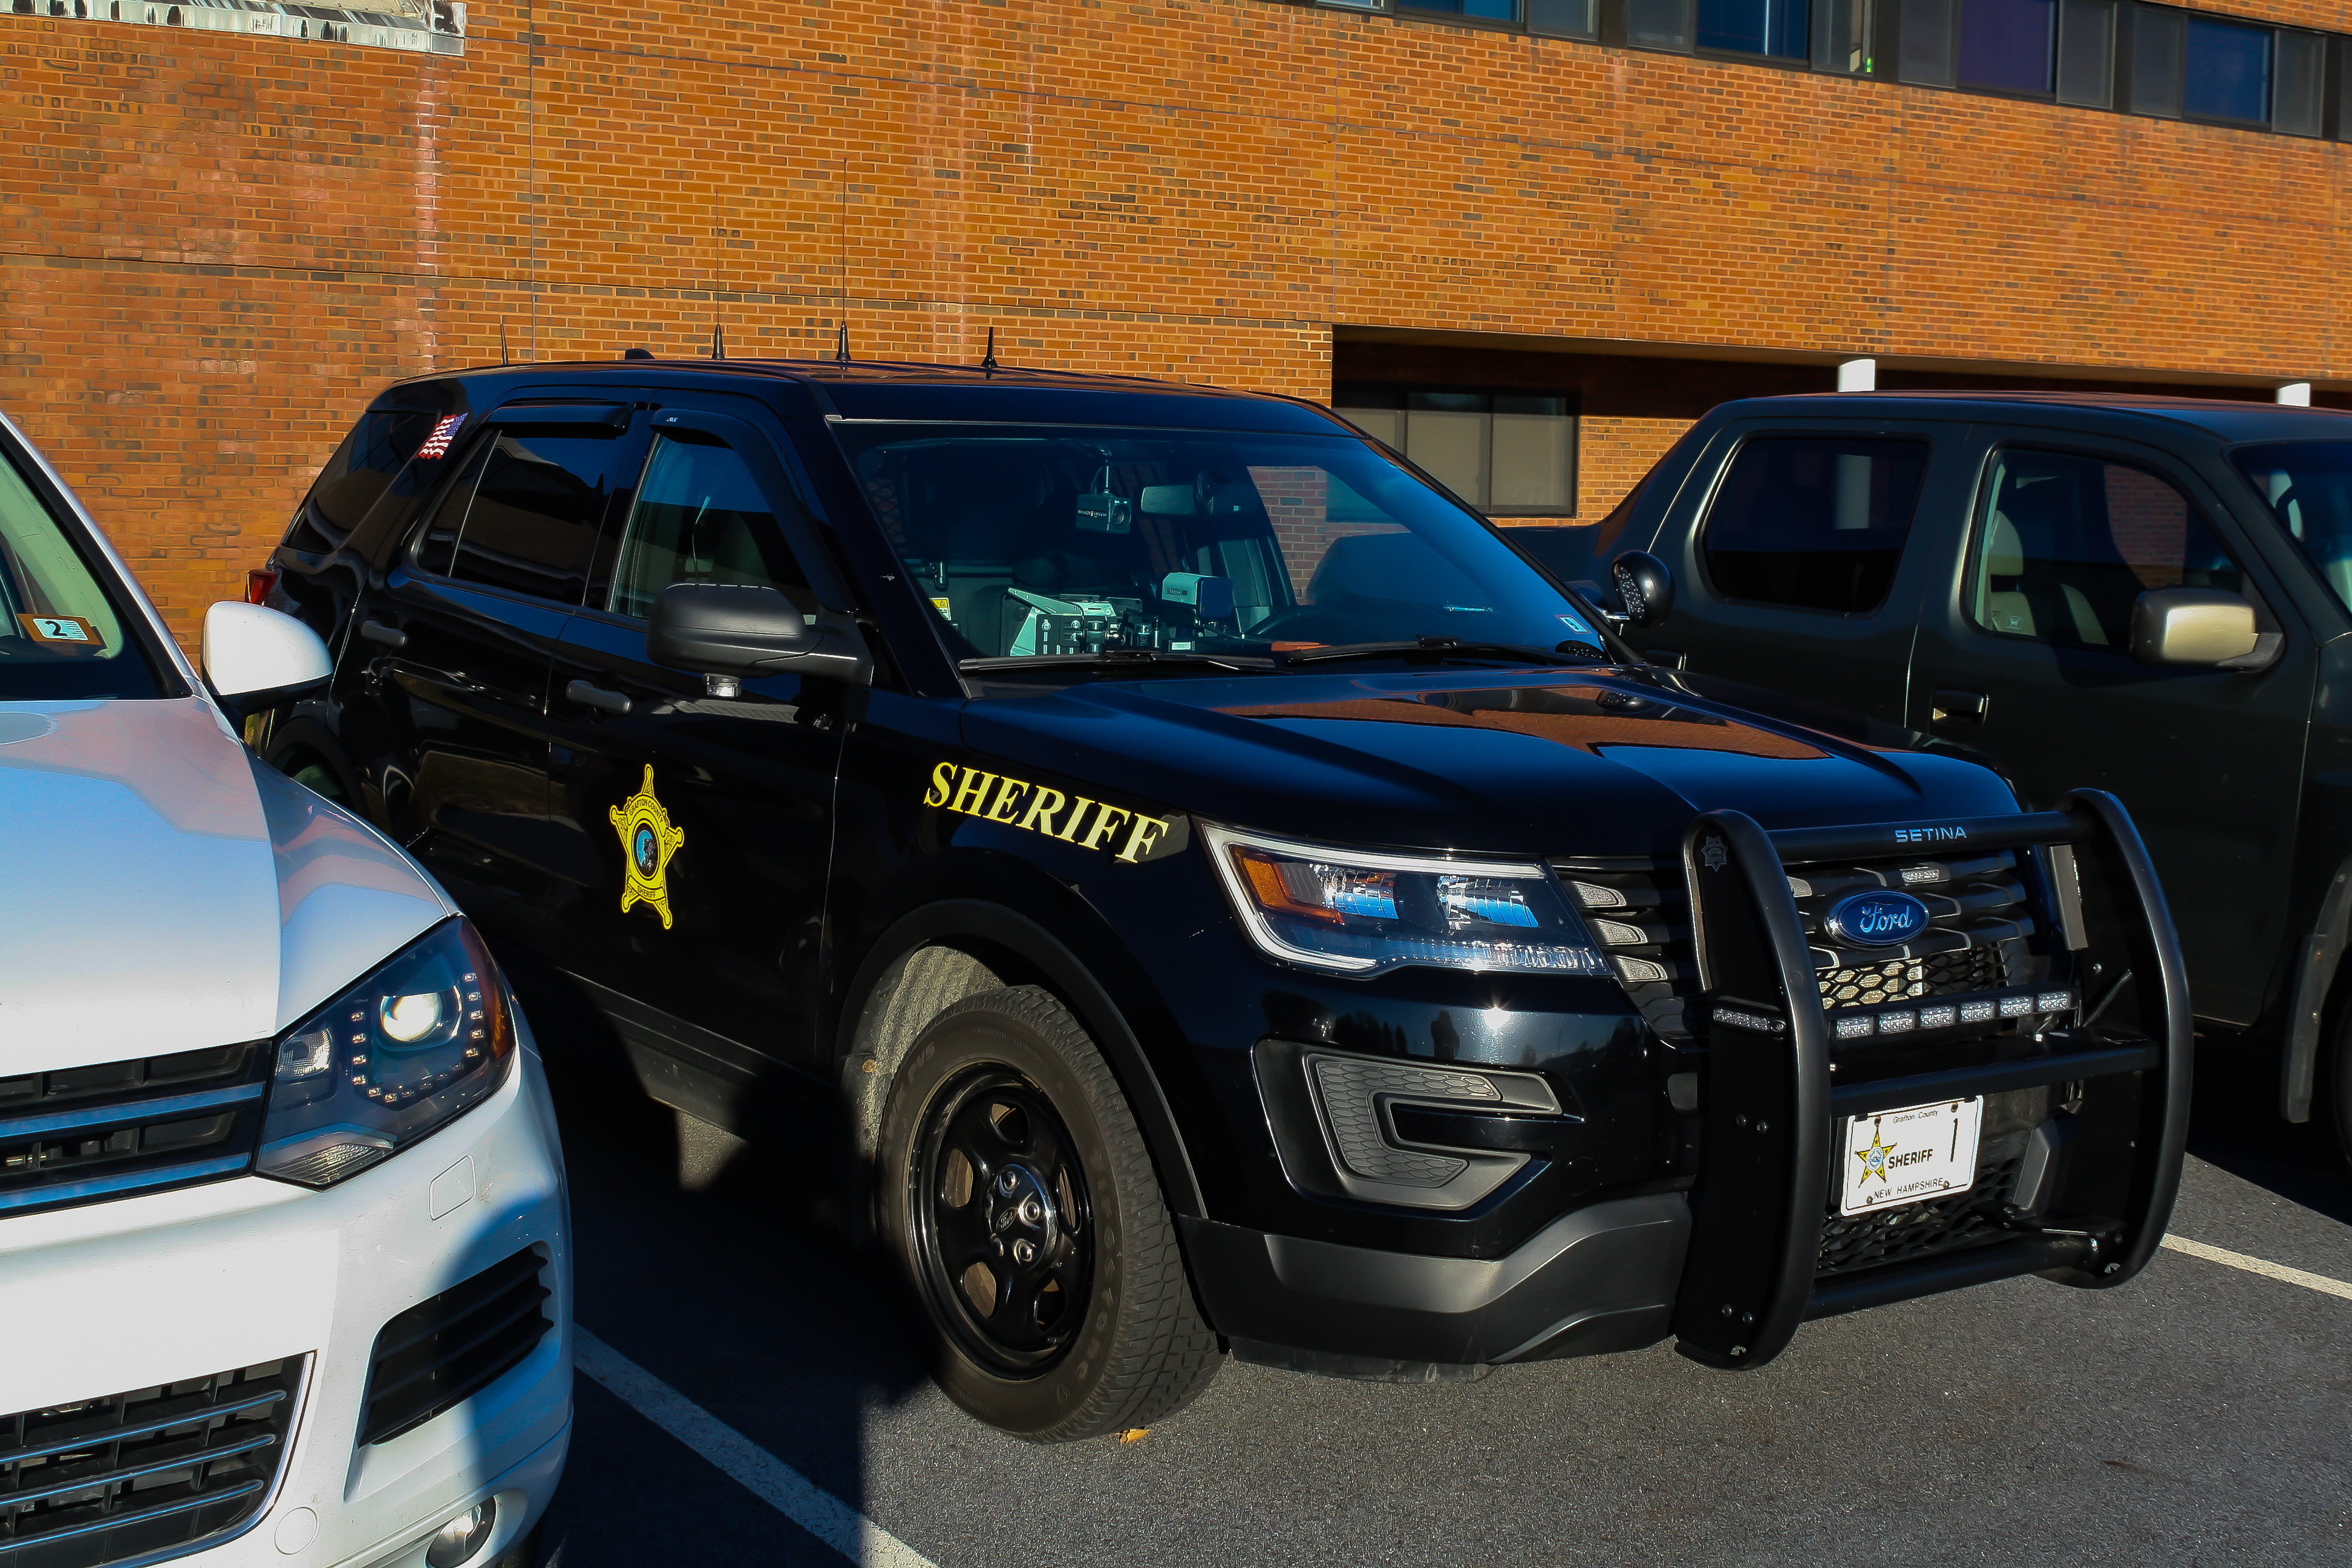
1881	918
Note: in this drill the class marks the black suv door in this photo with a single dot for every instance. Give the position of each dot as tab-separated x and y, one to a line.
459	642
2026	655
700	824
1798	569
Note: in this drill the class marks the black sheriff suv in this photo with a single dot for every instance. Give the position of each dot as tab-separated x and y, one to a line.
1218	892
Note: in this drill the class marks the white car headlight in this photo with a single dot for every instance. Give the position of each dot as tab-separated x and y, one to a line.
420	1041
1364	912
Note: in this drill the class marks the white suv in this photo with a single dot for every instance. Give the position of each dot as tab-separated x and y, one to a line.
284	1268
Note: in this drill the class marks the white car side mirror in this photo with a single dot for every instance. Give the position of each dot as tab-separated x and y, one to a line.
255	658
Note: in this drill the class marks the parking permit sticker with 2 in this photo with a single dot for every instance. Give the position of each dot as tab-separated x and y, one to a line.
70	631
1897	1157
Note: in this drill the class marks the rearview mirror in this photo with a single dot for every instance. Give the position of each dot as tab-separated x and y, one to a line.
2191	626
1646	589
257	658
724	629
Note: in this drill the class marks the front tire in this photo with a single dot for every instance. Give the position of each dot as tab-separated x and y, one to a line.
1018	1195
2334	1090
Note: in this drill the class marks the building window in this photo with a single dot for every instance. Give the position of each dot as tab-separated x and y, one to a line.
2228	75
1485	10
2086	53
1509	454
1777	28
2009	46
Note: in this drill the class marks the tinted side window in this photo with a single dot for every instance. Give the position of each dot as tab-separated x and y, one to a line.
357	475
522	515
1813	522
2068	542
700	516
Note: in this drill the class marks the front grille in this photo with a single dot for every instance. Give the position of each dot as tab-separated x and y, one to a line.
1638	910
157	1471
446	1350
1913	1230
1898	980
82	1134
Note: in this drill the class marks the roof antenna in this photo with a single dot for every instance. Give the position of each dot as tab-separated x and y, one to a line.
637	354
718	343
988	359
502	342
842	354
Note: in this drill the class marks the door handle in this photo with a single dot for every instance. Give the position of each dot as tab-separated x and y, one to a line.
391	638
1958	712
596	697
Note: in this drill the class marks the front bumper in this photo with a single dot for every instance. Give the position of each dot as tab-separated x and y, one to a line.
140	1292
1752	1250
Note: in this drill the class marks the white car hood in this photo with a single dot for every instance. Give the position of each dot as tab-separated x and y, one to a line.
168	891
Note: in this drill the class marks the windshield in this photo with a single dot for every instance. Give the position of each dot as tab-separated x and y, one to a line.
1070	543
60	635
2309	487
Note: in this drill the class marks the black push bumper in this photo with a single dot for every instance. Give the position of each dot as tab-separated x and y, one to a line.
1772	1098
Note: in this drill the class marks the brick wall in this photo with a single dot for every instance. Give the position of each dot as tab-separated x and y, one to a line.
213	248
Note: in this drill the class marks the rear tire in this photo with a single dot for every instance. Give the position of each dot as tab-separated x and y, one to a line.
1019	1199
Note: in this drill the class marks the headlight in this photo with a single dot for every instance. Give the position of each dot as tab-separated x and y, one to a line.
1363	913
418	1042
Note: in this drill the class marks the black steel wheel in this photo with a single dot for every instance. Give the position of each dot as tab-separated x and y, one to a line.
999	1209
1020	1199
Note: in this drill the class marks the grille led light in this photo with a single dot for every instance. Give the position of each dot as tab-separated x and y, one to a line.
1938	1017
1976	1011
1914	874
1896	1023
1595	897
2016	1006
1856	1025
2054	1002
1618	933
1639	971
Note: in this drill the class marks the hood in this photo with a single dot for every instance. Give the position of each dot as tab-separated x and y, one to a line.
1570	762
173	892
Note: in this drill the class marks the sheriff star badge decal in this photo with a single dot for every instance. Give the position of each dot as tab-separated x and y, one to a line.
648	841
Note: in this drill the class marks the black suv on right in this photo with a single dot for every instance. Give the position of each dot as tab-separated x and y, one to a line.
2146	595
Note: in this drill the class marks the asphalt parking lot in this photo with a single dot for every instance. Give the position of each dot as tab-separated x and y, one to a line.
2198	1415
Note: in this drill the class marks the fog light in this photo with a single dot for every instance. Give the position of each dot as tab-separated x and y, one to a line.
463	1536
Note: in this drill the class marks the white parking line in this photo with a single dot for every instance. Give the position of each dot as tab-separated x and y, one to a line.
2319	1282
774	1482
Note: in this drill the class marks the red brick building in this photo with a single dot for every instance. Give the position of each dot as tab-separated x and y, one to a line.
1529	238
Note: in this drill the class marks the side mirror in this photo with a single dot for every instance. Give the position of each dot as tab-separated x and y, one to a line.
1646	589
727	629
2192	625
257	658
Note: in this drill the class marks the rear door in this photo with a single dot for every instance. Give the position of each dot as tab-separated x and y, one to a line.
2024	654
701	826
459	642
1800	567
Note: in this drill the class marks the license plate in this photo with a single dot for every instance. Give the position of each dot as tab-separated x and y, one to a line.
1897	1157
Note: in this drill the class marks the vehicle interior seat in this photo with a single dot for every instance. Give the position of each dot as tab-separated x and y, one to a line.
2022	597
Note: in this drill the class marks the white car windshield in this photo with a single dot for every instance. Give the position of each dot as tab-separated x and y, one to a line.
1035	543
61	634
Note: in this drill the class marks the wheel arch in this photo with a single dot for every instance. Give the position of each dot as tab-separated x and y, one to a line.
951	947
302	738
2317	996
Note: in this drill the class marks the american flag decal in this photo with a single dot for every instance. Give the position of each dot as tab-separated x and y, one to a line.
437	444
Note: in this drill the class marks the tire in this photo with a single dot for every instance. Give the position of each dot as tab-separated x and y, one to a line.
1019	1199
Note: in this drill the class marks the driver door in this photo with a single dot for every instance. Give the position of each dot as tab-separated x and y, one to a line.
703	823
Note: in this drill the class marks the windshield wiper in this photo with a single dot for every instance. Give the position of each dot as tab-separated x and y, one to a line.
1445	647
1112	657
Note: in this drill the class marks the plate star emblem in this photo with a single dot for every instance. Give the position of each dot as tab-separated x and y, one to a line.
1874	1158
